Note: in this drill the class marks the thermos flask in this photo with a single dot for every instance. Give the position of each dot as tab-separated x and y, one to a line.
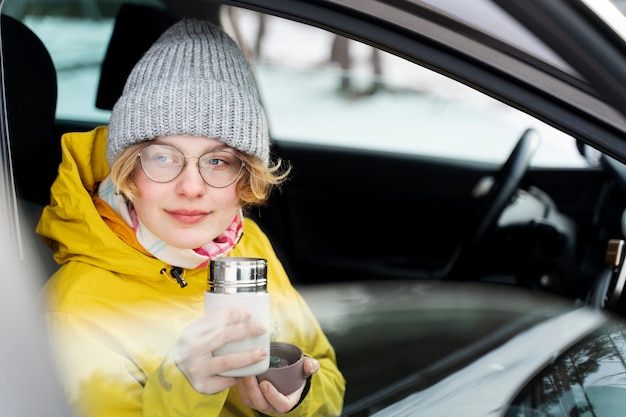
236	282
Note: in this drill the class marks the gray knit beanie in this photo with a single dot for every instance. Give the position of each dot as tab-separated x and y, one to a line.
194	80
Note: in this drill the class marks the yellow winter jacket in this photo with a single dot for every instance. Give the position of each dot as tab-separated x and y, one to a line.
114	313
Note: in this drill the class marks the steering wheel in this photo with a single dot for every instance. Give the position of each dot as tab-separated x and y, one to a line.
507	180
494	202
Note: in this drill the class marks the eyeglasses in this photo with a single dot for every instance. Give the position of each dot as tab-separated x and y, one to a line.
163	163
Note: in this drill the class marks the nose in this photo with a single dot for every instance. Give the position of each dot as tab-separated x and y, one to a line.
189	182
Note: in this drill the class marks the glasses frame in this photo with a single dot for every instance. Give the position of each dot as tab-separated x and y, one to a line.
235	178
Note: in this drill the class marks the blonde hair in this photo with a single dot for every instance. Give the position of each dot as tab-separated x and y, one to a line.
253	187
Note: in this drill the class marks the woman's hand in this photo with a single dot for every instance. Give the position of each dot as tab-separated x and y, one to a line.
194	352
265	398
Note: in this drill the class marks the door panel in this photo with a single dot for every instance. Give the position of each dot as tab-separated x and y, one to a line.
347	215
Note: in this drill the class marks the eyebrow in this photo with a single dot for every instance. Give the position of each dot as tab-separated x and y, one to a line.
220	147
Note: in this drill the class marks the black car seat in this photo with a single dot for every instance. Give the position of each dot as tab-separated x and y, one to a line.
30	82
30	85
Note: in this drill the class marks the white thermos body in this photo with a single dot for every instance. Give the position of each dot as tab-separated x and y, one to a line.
236	282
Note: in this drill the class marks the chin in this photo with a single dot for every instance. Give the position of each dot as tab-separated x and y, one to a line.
188	238
188	243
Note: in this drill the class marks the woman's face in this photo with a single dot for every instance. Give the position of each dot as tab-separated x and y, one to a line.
186	212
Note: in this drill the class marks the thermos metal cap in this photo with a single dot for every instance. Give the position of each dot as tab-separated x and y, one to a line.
233	275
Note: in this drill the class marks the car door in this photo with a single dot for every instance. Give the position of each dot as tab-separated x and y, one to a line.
388	157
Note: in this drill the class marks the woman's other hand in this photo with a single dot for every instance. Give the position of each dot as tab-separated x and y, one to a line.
194	352
265	398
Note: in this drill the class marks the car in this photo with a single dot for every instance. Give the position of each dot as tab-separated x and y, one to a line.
455	214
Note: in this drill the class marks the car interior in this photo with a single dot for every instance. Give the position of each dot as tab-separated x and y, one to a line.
366	215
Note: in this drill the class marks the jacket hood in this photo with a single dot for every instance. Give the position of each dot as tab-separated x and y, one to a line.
77	225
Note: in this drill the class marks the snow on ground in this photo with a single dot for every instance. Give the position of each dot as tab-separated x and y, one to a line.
422	105
420	111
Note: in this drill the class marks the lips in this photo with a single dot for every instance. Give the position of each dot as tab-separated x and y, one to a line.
188	216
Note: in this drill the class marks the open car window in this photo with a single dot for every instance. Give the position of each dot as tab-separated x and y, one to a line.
321	88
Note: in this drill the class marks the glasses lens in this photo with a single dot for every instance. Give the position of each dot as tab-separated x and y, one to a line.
220	168
161	163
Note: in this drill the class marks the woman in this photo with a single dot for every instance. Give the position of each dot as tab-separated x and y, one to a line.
138	210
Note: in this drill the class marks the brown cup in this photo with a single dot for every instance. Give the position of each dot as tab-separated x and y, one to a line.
285	371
